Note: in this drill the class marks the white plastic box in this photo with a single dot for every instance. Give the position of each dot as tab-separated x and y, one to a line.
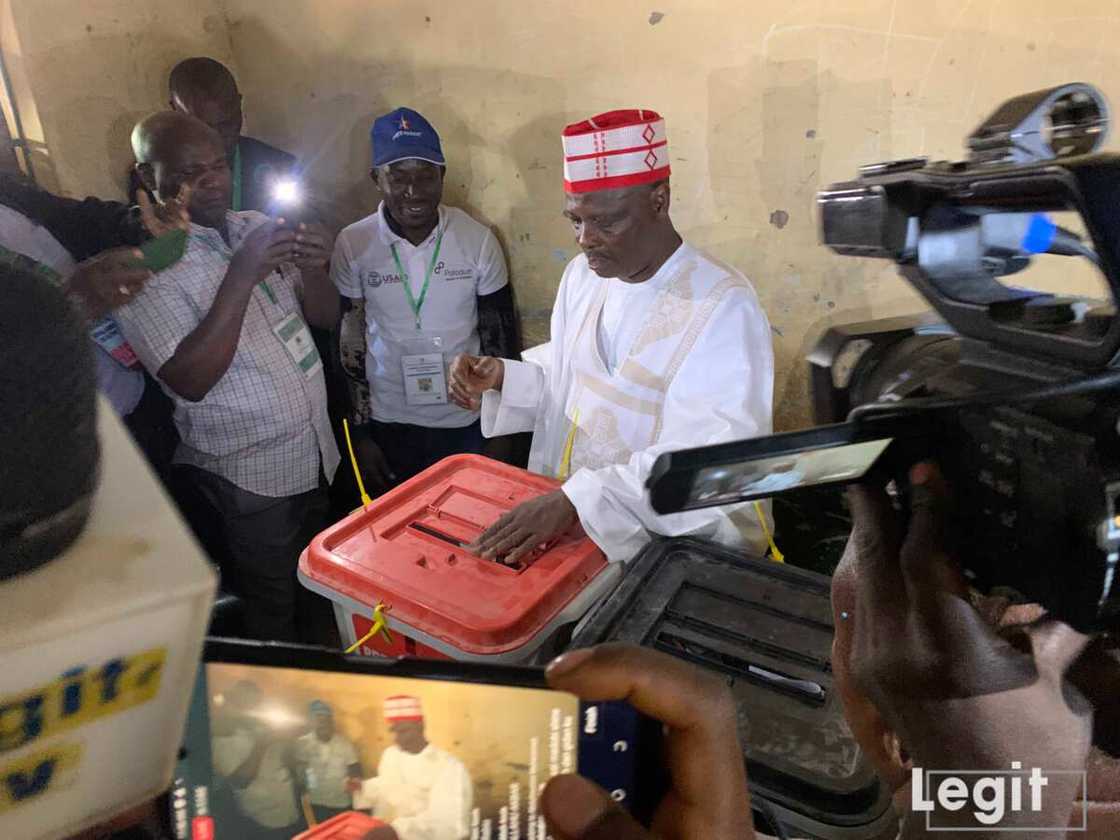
98	654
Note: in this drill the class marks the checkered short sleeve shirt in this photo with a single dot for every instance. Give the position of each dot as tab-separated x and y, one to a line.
264	425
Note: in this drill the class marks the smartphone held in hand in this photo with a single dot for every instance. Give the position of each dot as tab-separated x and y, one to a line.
303	741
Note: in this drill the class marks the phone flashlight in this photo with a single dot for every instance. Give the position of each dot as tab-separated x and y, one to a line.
287	201
287	192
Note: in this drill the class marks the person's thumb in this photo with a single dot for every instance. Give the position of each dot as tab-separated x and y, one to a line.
576	809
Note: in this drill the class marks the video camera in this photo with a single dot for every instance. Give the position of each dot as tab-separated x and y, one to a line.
1016	393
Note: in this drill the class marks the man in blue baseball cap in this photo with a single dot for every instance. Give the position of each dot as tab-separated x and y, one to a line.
426	282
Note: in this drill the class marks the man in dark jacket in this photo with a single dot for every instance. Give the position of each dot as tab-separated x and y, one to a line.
205	88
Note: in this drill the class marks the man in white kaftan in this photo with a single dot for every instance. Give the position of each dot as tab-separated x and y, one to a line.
655	347
421	791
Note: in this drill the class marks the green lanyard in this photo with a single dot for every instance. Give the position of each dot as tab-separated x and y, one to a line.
417	303
237	179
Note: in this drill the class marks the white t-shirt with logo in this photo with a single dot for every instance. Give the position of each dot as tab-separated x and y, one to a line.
470	264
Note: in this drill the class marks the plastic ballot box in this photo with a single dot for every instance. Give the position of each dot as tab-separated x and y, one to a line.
351	825
405	555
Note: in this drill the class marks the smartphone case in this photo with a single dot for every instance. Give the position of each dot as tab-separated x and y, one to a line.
767	629
164	251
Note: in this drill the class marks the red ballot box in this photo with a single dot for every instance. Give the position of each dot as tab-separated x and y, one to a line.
407	551
348	826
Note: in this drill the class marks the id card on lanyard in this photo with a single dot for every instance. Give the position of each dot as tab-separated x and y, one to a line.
295	336
422	363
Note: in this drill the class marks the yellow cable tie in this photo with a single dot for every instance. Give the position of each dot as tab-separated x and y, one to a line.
566	458
366	500
379	626
777	556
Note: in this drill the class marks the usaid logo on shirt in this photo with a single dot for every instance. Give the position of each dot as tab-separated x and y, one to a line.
375	279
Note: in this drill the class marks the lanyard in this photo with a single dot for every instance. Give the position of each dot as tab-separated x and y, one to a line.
237	178
417	303
205	240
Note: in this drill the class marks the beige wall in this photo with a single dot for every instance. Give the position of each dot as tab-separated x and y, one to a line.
766	101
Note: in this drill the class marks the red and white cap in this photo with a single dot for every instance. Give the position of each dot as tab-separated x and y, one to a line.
615	149
402	707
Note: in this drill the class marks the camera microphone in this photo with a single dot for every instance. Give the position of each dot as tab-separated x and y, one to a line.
48	412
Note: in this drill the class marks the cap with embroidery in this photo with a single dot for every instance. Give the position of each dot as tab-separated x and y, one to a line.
615	149
402	707
404	134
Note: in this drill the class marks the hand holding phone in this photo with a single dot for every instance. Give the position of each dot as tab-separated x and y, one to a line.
708	794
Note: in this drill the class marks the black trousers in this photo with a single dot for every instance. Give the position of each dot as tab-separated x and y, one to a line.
412	449
153	428
256	541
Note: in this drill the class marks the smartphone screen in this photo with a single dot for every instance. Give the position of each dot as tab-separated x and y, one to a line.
757	468
766	476
452	750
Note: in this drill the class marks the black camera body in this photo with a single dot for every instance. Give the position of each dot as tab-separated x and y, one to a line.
1018	392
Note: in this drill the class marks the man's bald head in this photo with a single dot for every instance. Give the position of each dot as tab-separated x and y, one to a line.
160	134
205	88
171	149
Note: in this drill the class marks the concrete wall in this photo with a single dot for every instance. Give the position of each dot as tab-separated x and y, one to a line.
765	101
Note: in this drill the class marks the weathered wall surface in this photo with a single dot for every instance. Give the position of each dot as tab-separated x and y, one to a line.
765	101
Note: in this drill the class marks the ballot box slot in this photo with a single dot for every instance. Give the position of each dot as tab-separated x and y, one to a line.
717	634
750	622
444	537
807	691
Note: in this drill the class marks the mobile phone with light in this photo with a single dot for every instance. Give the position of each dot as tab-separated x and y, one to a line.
287	201
764	467
299	742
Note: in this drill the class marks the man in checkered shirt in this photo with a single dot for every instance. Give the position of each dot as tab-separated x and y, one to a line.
224	331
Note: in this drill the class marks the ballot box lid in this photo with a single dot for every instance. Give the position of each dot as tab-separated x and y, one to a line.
766	628
396	551
349	825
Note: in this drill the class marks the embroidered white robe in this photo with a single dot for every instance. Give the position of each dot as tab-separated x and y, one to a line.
695	365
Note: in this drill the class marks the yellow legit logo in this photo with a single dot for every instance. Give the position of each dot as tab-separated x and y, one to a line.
81	695
33	775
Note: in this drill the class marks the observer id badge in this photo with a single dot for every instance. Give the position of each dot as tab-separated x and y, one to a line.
296	337
425	377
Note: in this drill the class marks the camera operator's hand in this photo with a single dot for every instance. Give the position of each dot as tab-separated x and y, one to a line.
959	696
708	796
